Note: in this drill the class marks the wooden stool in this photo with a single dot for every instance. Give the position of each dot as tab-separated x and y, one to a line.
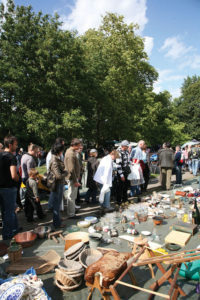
105	292
140	243
54	235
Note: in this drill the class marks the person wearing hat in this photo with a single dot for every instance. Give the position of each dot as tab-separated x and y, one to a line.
123	170
92	166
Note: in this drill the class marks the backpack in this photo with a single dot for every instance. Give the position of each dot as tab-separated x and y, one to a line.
195	153
51	180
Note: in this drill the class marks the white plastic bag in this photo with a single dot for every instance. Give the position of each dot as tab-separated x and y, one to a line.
105	189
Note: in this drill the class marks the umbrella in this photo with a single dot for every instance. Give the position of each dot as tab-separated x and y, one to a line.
191	143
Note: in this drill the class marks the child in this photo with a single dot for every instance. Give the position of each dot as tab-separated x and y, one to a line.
32	197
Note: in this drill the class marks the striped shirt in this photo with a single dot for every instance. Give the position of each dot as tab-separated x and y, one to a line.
122	162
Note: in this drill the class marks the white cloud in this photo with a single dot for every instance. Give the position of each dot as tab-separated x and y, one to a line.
4	2
191	61
175	92
175	48
148	44
87	14
167	80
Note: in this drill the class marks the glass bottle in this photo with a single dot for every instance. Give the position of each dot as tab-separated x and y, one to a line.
196	214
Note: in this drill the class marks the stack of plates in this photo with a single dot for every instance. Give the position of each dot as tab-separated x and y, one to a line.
91	219
13	292
83	224
73	252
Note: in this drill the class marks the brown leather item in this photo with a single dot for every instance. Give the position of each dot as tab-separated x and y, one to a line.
111	265
180	193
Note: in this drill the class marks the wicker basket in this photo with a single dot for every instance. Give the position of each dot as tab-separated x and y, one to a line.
76	237
67	288
89	256
70	267
67	282
15	255
74	256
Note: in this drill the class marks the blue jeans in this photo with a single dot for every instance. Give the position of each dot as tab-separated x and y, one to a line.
135	190
106	202
190	165
195	163
8	198
50	202
56	197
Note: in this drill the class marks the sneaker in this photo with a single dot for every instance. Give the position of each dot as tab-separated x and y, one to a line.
77	207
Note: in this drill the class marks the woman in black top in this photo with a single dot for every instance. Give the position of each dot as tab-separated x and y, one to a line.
92	166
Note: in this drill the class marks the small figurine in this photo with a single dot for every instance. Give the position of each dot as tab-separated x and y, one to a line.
124	220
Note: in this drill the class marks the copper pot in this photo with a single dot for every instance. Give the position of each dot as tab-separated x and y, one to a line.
157	220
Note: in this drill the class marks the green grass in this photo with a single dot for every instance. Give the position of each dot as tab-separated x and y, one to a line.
154	175
42	169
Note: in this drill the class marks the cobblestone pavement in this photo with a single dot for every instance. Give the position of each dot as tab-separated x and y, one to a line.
142	275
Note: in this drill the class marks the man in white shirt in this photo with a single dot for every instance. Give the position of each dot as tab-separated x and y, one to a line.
103	176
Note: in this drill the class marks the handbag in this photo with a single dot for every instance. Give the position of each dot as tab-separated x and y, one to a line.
51	180
127	170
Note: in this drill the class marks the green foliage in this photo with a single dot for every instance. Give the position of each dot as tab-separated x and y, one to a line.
98	86
120	75
187	107
41	73
74	122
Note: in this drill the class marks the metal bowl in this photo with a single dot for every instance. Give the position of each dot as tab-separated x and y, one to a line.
25	239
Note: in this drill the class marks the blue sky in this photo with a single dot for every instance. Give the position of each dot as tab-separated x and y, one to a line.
170	28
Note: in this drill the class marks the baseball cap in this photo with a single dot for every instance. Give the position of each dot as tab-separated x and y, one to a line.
93	150
125	143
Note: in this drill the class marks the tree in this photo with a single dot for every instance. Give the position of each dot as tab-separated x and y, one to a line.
120	76
41	74
187	106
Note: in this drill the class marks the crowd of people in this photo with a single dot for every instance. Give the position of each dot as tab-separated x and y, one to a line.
120	170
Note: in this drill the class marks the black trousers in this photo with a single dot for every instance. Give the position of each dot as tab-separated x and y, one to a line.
18	200
121	189
30	206
146	175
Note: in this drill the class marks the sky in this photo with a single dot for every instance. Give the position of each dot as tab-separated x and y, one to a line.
171	29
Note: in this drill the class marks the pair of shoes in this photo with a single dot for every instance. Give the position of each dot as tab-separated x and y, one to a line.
75	217
77	207
108	209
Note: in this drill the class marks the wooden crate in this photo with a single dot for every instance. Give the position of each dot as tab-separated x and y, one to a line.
177	237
